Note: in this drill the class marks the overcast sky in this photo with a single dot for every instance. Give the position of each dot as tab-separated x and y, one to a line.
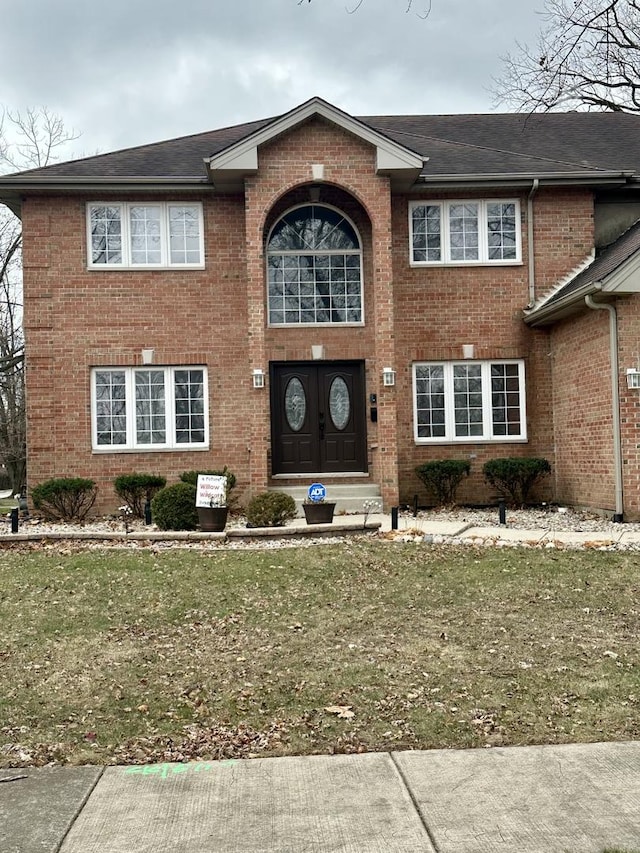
129	72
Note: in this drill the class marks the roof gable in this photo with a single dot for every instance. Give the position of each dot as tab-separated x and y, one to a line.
229	166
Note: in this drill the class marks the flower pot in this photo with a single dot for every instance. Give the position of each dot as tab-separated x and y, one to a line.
320	513
212	518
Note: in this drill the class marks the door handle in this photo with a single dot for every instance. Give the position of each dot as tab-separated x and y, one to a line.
321	425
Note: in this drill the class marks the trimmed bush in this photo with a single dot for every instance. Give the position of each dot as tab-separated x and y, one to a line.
65	499
442	477
136	489
192	477
174	508
514	478
271	509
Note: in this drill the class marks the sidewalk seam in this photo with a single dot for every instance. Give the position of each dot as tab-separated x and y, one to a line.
76	814
414	801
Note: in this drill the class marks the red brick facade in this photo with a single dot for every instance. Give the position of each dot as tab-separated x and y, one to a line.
77	319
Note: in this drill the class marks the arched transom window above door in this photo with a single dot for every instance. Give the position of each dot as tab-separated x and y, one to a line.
314	268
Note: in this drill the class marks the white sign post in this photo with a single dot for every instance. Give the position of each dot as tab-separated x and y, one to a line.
211	490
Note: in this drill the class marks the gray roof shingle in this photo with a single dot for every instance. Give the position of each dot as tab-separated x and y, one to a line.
480	145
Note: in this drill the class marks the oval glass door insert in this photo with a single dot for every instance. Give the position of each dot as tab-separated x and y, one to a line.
295	404
339	403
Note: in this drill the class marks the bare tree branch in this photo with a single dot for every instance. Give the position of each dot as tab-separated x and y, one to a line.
587	57
359	3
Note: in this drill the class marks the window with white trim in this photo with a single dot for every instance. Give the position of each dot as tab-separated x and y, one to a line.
314	268
143	235
149	408
465	232
469	401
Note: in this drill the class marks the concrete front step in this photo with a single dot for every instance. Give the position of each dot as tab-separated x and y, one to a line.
348	497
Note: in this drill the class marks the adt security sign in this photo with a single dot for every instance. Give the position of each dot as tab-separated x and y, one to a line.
317	492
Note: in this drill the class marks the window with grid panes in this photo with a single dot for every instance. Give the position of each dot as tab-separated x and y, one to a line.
314	268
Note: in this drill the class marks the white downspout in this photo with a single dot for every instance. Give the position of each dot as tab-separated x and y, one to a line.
532	265
615	400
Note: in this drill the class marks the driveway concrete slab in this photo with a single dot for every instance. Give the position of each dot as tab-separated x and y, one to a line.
541	799
37	810
350	804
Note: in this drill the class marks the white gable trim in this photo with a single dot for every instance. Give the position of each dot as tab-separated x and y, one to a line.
625	278
242	157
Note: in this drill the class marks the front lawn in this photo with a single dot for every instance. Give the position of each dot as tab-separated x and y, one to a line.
121	656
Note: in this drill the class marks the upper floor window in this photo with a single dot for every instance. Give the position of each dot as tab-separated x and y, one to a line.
145	235
314	268
465	232
149	408
469	401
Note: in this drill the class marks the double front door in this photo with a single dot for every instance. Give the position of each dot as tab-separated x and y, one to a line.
318	422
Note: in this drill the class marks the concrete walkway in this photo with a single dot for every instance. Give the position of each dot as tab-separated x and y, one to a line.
544	799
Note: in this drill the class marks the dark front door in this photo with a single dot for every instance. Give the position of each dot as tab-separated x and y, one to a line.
318	417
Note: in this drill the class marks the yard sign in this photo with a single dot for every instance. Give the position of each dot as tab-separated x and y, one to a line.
211	489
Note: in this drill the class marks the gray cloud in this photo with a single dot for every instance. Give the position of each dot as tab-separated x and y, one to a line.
128	73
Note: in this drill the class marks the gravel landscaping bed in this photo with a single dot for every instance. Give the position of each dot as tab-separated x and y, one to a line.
548	519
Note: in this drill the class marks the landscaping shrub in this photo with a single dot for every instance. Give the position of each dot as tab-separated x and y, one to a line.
64	499
192	477
136	489
515	478
442	477
271	509
174	507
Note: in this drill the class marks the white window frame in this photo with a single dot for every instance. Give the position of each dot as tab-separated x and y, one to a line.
130	409
125	219
330	252
488	434
483	241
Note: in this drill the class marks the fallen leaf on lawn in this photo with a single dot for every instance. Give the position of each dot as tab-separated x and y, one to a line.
344	712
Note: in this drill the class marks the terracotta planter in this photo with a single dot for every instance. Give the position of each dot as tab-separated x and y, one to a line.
320	513
212	518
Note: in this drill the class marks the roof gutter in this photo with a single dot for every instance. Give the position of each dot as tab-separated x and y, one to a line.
615	400
13	190
522	179
547	313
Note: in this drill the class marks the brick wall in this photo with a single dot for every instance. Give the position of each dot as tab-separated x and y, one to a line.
582	411
76	319
439	309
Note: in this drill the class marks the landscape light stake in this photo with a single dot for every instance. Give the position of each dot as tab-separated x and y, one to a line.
15	519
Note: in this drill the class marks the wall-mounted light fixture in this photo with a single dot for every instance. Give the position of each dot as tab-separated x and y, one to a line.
258	378
147	356
388	376
633	377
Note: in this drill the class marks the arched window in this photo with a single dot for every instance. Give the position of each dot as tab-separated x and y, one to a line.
314	267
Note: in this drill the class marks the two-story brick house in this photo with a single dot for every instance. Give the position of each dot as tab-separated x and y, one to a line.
323	296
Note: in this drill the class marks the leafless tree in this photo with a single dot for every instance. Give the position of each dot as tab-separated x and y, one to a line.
28	139
587	57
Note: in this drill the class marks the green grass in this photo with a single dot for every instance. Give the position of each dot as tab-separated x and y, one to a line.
120	656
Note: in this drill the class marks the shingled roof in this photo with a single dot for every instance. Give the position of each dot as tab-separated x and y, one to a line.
552	144
595	278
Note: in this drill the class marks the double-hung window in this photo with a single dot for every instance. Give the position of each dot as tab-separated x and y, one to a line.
465	232
144	235
469	401
149	408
